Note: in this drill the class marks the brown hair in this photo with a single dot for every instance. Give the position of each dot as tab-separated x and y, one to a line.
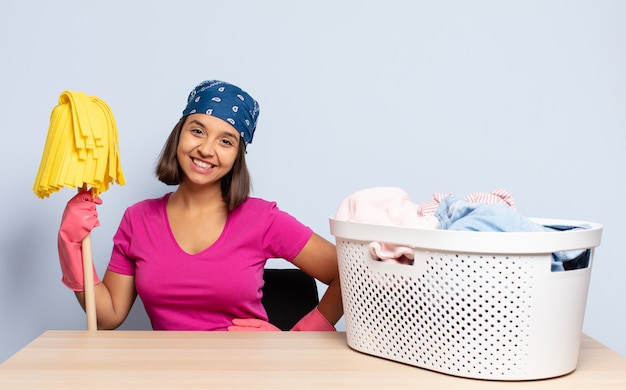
236	185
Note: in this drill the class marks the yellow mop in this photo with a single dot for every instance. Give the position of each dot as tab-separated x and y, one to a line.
81	151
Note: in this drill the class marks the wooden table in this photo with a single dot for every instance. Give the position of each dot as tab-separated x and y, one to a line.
257	360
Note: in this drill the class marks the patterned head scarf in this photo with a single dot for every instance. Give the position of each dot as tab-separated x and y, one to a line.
227	102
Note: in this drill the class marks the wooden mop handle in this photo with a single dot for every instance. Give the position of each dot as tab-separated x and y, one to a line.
90	298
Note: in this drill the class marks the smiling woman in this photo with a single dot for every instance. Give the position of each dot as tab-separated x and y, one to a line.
207	149
196	256
425	95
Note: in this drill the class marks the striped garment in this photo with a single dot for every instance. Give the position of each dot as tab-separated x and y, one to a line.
497	196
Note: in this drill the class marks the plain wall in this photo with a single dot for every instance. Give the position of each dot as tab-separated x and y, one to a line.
446	96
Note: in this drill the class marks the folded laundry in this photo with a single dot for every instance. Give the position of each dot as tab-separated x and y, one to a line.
489	212
385	206
499	195
458	214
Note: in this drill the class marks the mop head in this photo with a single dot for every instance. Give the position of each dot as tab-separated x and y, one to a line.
81	147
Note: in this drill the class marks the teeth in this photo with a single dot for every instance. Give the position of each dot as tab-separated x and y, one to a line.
202	164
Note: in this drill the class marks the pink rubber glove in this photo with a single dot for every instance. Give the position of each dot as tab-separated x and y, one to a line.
251	325
313	321
79	218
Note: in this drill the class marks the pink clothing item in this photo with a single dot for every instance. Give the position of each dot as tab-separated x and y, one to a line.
496	196
385	206
207	290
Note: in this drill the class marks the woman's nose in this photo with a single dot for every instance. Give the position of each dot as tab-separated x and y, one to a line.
206	148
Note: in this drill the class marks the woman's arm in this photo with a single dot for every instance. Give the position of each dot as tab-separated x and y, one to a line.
318	258
114	299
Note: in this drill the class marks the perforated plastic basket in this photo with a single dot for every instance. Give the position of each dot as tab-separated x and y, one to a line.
482	305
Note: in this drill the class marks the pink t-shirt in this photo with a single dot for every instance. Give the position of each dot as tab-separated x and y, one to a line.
207	290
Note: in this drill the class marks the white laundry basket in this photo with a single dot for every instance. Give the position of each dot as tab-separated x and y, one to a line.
482	305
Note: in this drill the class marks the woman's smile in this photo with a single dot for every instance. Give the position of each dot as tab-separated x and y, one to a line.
202	164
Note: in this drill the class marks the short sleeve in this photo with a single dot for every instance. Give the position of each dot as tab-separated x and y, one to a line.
285	236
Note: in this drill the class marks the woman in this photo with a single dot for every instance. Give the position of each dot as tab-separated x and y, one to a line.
196	256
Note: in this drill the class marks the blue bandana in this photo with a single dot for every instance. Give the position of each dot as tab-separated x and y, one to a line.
227	102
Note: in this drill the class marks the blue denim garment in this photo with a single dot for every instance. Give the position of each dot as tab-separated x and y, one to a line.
458	214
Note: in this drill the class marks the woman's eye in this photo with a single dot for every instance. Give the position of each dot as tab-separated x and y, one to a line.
227	142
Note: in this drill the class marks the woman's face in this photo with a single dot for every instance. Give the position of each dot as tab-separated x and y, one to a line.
207	148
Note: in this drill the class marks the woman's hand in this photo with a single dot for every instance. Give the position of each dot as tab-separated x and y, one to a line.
252	325
80	217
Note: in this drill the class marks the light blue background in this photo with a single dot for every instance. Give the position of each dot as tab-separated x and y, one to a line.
446	96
